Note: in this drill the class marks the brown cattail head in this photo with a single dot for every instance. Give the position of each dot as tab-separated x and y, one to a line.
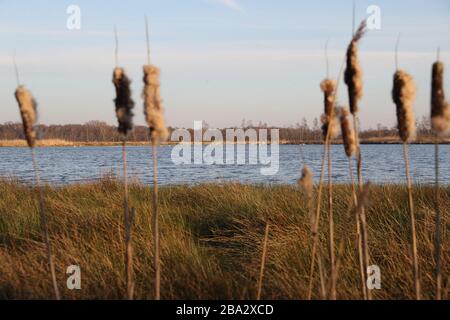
348	133
124	103
28	110
328	86
306	182
353	73
440	112
330	123
403	95
153	108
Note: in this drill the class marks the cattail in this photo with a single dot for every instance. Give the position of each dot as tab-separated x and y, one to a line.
403	95
307	181
353	78
330	123
153	108
440	109
328	86
353	73
124	103
348	135
124	106
350	146
330	131
28	109
440	122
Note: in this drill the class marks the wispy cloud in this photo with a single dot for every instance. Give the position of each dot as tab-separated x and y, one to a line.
232	4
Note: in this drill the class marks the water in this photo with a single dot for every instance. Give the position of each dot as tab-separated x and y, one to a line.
59	166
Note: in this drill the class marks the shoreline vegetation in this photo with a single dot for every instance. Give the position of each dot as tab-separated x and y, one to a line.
212	240
65	143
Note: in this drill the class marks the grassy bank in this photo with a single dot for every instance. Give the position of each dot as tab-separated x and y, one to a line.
211	241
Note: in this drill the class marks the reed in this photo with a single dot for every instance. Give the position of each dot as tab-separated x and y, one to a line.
353	73
154	115
440	111
329	130
28	112
316	219
319	195
353	78
403	95
263	261
440	121
306	182
350	147
124	105
333	273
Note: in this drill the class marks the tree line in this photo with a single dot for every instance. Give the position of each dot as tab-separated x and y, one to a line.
97	131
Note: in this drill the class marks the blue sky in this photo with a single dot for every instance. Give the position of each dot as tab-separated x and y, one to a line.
221	60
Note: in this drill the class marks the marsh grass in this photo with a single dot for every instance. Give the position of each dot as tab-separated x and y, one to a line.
212	236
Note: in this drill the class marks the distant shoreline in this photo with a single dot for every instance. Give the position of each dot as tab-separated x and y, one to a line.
65	143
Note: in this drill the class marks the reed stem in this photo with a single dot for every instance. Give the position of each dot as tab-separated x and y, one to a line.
319	193
333	275
317	220
128	224
263	262
437	245
413	223
362	213
156	244
365	245
358	232
323	289
44	224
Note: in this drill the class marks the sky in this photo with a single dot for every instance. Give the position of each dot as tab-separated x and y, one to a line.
221	60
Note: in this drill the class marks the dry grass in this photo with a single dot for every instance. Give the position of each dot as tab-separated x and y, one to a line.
211	241
39	143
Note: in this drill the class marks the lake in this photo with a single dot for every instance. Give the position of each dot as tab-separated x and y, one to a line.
60	166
